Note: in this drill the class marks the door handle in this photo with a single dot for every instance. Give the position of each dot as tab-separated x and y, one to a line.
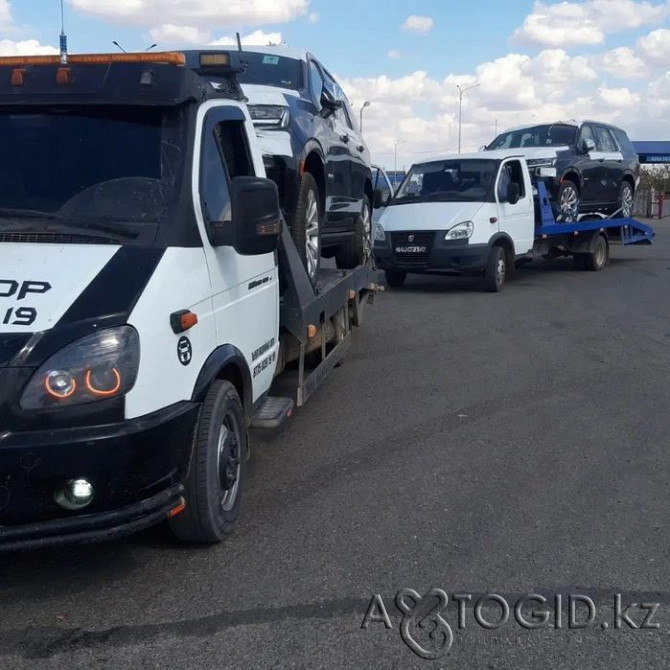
345	138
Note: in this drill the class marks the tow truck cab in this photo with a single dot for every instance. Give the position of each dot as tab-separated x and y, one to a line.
139	295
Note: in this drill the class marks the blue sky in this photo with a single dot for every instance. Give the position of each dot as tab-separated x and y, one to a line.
608	59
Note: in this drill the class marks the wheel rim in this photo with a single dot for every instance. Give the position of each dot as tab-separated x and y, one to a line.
626	201
500	271
312	235
569	203
600	253
229	462
367	231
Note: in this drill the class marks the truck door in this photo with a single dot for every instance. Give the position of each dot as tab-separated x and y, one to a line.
245	289
516	219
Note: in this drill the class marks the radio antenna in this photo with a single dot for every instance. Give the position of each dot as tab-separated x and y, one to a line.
63	36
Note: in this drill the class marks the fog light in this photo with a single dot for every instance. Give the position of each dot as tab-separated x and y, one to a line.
76	494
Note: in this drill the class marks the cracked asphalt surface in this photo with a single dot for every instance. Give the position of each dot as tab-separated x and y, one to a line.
509	444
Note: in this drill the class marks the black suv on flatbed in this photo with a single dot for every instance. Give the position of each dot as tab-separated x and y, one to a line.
587	167
314	152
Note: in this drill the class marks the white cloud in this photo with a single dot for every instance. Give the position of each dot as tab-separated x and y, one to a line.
622	63
619	97
25	48
179	34
5	14
257	38
586	23
313	17
418	24
394	54
655	47
194	12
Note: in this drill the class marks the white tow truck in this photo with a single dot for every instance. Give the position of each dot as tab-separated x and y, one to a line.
481	214
149	295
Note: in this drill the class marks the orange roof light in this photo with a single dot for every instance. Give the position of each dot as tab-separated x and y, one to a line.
163	58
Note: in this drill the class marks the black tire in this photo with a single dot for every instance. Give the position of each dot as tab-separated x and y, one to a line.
212	509
496	270
395	278
599	257
358	251
568	201
302	225
625	202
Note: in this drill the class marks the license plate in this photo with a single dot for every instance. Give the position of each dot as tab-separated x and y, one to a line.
411	250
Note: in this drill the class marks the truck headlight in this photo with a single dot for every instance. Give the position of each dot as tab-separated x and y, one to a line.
461	231
270	116
97	367
380	234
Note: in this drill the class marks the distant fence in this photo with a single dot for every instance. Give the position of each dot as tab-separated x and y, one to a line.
651	204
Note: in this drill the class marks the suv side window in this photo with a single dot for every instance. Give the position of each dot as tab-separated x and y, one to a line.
586	134
342	114
624	142
315	82
604	141
214	189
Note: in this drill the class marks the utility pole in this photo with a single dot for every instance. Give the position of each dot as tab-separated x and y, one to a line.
367	103
461	91
395	160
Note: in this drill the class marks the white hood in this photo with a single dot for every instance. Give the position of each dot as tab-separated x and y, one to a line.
428	215
267	95
47	278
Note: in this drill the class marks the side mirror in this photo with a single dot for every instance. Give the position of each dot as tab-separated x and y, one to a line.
513	194
256	218
380	198
329	99
588	146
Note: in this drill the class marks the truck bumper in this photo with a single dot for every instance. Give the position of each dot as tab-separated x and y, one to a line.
136	468
441	256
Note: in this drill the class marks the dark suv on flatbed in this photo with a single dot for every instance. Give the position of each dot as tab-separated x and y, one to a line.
587	167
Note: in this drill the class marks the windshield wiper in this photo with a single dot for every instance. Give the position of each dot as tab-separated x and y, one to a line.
111	228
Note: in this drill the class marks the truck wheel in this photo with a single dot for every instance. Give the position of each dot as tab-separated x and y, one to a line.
496	270
597	259
395	278
359	250
217	469
568	201
579	262
306	226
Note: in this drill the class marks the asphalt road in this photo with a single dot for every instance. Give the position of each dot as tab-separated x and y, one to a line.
475	443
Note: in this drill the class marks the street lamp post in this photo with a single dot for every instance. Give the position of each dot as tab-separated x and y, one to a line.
365	104
461	91
395	161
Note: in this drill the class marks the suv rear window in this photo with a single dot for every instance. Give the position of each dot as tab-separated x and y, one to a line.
271	70
624	142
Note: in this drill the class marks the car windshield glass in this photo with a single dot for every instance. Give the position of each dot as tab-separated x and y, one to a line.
458	180
113	165
271	70
537	136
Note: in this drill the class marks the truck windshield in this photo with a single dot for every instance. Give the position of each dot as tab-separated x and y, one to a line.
538	136
113	165
458	180
271	70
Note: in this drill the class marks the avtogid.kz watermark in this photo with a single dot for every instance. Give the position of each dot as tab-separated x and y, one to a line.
425	620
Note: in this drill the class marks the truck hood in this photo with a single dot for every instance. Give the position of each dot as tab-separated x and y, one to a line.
530	153
40	282
268	95
428	215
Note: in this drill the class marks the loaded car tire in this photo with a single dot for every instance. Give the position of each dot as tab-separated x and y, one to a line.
358	250
395	278
625	202
217	470
568	201
496	270
306	225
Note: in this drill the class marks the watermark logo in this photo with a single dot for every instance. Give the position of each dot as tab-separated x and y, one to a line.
424	627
